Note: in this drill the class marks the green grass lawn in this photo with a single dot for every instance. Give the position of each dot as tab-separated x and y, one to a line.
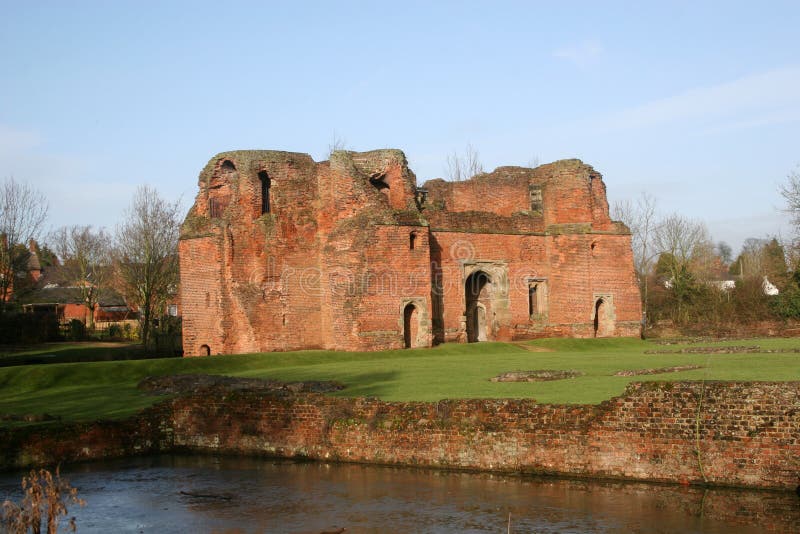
107	389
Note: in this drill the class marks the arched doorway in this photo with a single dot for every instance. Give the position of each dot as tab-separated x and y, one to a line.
476	293
598	309
603	322
410	326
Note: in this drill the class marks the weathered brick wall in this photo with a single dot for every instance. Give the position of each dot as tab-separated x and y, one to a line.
503	192
348	245
724	433
746	433
54	444
568	196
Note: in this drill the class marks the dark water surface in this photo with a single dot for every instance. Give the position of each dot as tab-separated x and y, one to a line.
210	494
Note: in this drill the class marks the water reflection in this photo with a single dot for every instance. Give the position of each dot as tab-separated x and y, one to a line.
211	494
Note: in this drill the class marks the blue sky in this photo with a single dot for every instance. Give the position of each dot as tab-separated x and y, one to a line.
697	104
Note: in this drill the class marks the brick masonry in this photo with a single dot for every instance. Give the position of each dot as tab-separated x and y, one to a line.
280	252
724	433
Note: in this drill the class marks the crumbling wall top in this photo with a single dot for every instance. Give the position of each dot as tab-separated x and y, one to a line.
253	161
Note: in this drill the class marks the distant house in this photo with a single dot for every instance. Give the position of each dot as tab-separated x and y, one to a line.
51	289
42	288
767	287
54	292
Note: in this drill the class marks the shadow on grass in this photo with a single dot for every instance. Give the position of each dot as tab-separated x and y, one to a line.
363	384
75	353
378	384
114	401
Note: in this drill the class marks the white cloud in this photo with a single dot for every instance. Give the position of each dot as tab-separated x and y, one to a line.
63	178
758	99
13	140
581	54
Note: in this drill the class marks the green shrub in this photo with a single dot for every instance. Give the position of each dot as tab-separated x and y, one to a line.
77	330
28	327
114	331
787	304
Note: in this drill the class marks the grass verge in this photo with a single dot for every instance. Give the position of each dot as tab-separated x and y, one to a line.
107	389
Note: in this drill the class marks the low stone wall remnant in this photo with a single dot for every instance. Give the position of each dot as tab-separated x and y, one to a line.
719	433
541	375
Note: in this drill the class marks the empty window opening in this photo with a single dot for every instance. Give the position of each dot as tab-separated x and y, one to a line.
421	197
412	240
205	350
228	166
537	299
377	180
266	183
535	192
215	207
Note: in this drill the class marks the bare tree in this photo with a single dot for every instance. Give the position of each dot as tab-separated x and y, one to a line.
23	211
760	258
463	168
686	240
86	259
147	254
686	254
640	218
791	194
750	262
725	252
337	143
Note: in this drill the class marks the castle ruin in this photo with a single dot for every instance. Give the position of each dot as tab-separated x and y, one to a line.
280	252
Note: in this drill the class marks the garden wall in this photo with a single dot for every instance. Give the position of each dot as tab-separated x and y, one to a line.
740	434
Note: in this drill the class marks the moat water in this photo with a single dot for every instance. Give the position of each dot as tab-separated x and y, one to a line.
196	494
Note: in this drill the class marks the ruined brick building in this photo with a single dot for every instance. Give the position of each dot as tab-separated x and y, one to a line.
280	252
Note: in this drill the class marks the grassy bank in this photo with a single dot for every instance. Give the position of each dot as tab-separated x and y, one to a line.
107	389
70	352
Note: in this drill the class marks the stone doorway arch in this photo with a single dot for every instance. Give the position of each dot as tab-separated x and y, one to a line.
477	293
413	323
410	325
603	316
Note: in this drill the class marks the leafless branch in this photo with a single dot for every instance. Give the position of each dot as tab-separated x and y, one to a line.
23	212
86	258
463	168
147	253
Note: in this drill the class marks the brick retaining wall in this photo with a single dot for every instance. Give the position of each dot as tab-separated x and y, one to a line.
740	434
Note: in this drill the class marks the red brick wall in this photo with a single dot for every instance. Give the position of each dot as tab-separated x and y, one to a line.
748	433
728	433
75	311
504	192
331	265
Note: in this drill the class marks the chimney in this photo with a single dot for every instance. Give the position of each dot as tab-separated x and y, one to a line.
34	265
